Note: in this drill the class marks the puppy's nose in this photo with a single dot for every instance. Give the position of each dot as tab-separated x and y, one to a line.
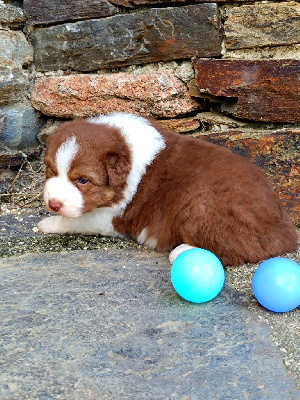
55	205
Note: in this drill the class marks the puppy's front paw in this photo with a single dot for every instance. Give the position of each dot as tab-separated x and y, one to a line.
52	225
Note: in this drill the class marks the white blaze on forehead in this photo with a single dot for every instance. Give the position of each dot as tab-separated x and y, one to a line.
60	188
65	155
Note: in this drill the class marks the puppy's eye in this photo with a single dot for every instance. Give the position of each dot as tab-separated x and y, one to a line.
82	181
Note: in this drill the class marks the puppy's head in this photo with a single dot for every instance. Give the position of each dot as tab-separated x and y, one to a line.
87	165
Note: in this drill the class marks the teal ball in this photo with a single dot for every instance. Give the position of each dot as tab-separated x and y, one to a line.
197	275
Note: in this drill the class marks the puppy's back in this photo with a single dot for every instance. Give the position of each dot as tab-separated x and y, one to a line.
206	196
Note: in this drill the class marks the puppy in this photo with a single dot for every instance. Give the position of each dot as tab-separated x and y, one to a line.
122	175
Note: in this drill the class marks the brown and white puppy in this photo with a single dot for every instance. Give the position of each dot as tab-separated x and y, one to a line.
122	175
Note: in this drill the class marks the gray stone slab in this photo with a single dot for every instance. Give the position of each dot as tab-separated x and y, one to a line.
22	125
11	15
160	34
13	85
108	325
15	50
248	26
41	12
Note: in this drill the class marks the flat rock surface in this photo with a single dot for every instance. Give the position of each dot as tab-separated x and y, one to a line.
159	94
150	35
39	12
261	90
248	26
107	324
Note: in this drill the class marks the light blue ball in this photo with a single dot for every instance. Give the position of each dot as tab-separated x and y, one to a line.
276	284
197	275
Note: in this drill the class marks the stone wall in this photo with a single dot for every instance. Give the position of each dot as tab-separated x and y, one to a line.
223	71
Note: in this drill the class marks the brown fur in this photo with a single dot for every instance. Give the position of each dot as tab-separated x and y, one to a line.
194	192
206	196
103	158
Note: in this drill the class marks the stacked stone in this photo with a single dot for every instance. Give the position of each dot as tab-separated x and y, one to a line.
225	71
19	121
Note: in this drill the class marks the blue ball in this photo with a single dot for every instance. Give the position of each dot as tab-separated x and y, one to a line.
276	284
197	275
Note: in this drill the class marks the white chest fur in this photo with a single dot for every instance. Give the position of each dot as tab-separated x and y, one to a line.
144	142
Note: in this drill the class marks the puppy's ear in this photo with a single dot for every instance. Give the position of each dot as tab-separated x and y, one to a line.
118	168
